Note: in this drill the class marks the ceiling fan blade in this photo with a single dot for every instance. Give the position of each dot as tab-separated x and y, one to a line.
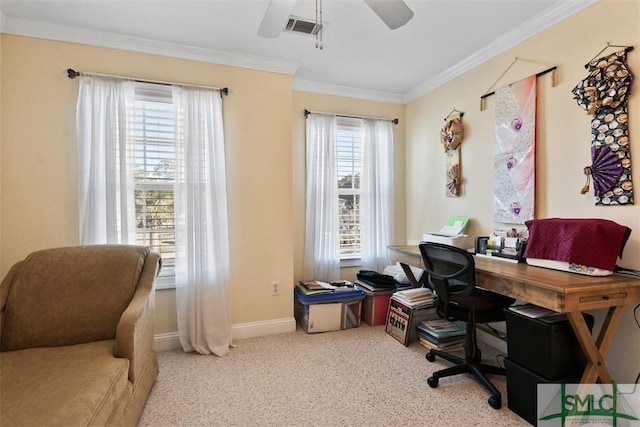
394	13
275	18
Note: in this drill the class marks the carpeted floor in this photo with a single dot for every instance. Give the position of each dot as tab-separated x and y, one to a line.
359	376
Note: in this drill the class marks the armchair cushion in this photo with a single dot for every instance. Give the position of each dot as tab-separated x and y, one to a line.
50	386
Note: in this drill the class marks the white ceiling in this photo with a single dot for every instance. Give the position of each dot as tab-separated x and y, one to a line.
362	57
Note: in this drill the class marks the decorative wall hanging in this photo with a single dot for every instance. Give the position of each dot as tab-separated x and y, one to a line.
487	94
451	136
604	93
515	148
514	160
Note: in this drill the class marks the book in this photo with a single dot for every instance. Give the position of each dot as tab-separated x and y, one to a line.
415	297
415	294
453	346
317	287
313	288
441	328
372	287
440	340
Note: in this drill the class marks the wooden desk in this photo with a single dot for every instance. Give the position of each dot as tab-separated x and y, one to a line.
568	293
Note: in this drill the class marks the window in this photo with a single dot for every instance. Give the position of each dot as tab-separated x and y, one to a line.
154	157
349	196
349	162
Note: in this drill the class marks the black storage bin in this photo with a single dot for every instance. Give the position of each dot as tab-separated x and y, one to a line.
546	345
522	389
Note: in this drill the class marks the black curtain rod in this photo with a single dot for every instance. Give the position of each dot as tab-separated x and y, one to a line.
72	74
627	49
307	112
541	73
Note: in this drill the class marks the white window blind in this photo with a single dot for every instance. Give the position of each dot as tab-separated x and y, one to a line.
154	159
349	162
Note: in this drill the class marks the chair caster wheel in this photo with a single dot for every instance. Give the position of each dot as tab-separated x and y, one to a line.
494	402
431	357
433	382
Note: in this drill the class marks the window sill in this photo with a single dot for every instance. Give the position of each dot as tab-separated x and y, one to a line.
350	262
166	282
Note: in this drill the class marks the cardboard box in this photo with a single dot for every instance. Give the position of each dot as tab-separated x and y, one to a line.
403	320
328	316
375	307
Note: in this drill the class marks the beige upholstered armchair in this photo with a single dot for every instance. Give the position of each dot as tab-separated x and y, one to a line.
76	336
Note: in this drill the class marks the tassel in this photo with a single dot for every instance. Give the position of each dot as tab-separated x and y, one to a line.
482	104
585	189
553	78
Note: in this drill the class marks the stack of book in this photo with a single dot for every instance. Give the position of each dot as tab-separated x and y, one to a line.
378	287
376	282
317	287
415	297
442	334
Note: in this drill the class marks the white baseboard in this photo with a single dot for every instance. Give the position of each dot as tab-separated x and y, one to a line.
492	340
166	342
260	329
171	340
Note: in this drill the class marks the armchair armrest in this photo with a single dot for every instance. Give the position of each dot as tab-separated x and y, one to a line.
5	287
134	333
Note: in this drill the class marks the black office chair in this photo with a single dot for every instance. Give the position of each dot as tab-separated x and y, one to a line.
452	276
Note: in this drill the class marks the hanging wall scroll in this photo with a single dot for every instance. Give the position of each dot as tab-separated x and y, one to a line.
514	159
451	136
604	94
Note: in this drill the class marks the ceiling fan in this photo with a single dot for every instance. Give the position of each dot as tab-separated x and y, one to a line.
394	13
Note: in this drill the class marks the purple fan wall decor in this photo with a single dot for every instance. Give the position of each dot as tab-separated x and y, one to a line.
606	169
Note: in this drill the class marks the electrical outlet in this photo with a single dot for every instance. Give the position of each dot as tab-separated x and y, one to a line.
275	288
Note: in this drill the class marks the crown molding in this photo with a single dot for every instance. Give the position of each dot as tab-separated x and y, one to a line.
39	29
301	85
537	24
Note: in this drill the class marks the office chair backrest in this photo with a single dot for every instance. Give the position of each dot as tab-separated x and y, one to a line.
451	271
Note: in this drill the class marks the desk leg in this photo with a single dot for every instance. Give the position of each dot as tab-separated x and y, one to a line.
596	351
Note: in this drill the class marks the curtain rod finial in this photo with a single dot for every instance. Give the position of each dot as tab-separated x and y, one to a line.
72	74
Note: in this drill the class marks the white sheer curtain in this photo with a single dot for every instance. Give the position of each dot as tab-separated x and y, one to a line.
105	172
376	197
322	252
202	240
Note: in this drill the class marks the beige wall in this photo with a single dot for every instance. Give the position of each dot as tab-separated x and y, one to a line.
38	176
346	106
563	141
265	155
1	149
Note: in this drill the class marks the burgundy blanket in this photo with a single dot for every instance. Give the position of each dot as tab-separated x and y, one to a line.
592	242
